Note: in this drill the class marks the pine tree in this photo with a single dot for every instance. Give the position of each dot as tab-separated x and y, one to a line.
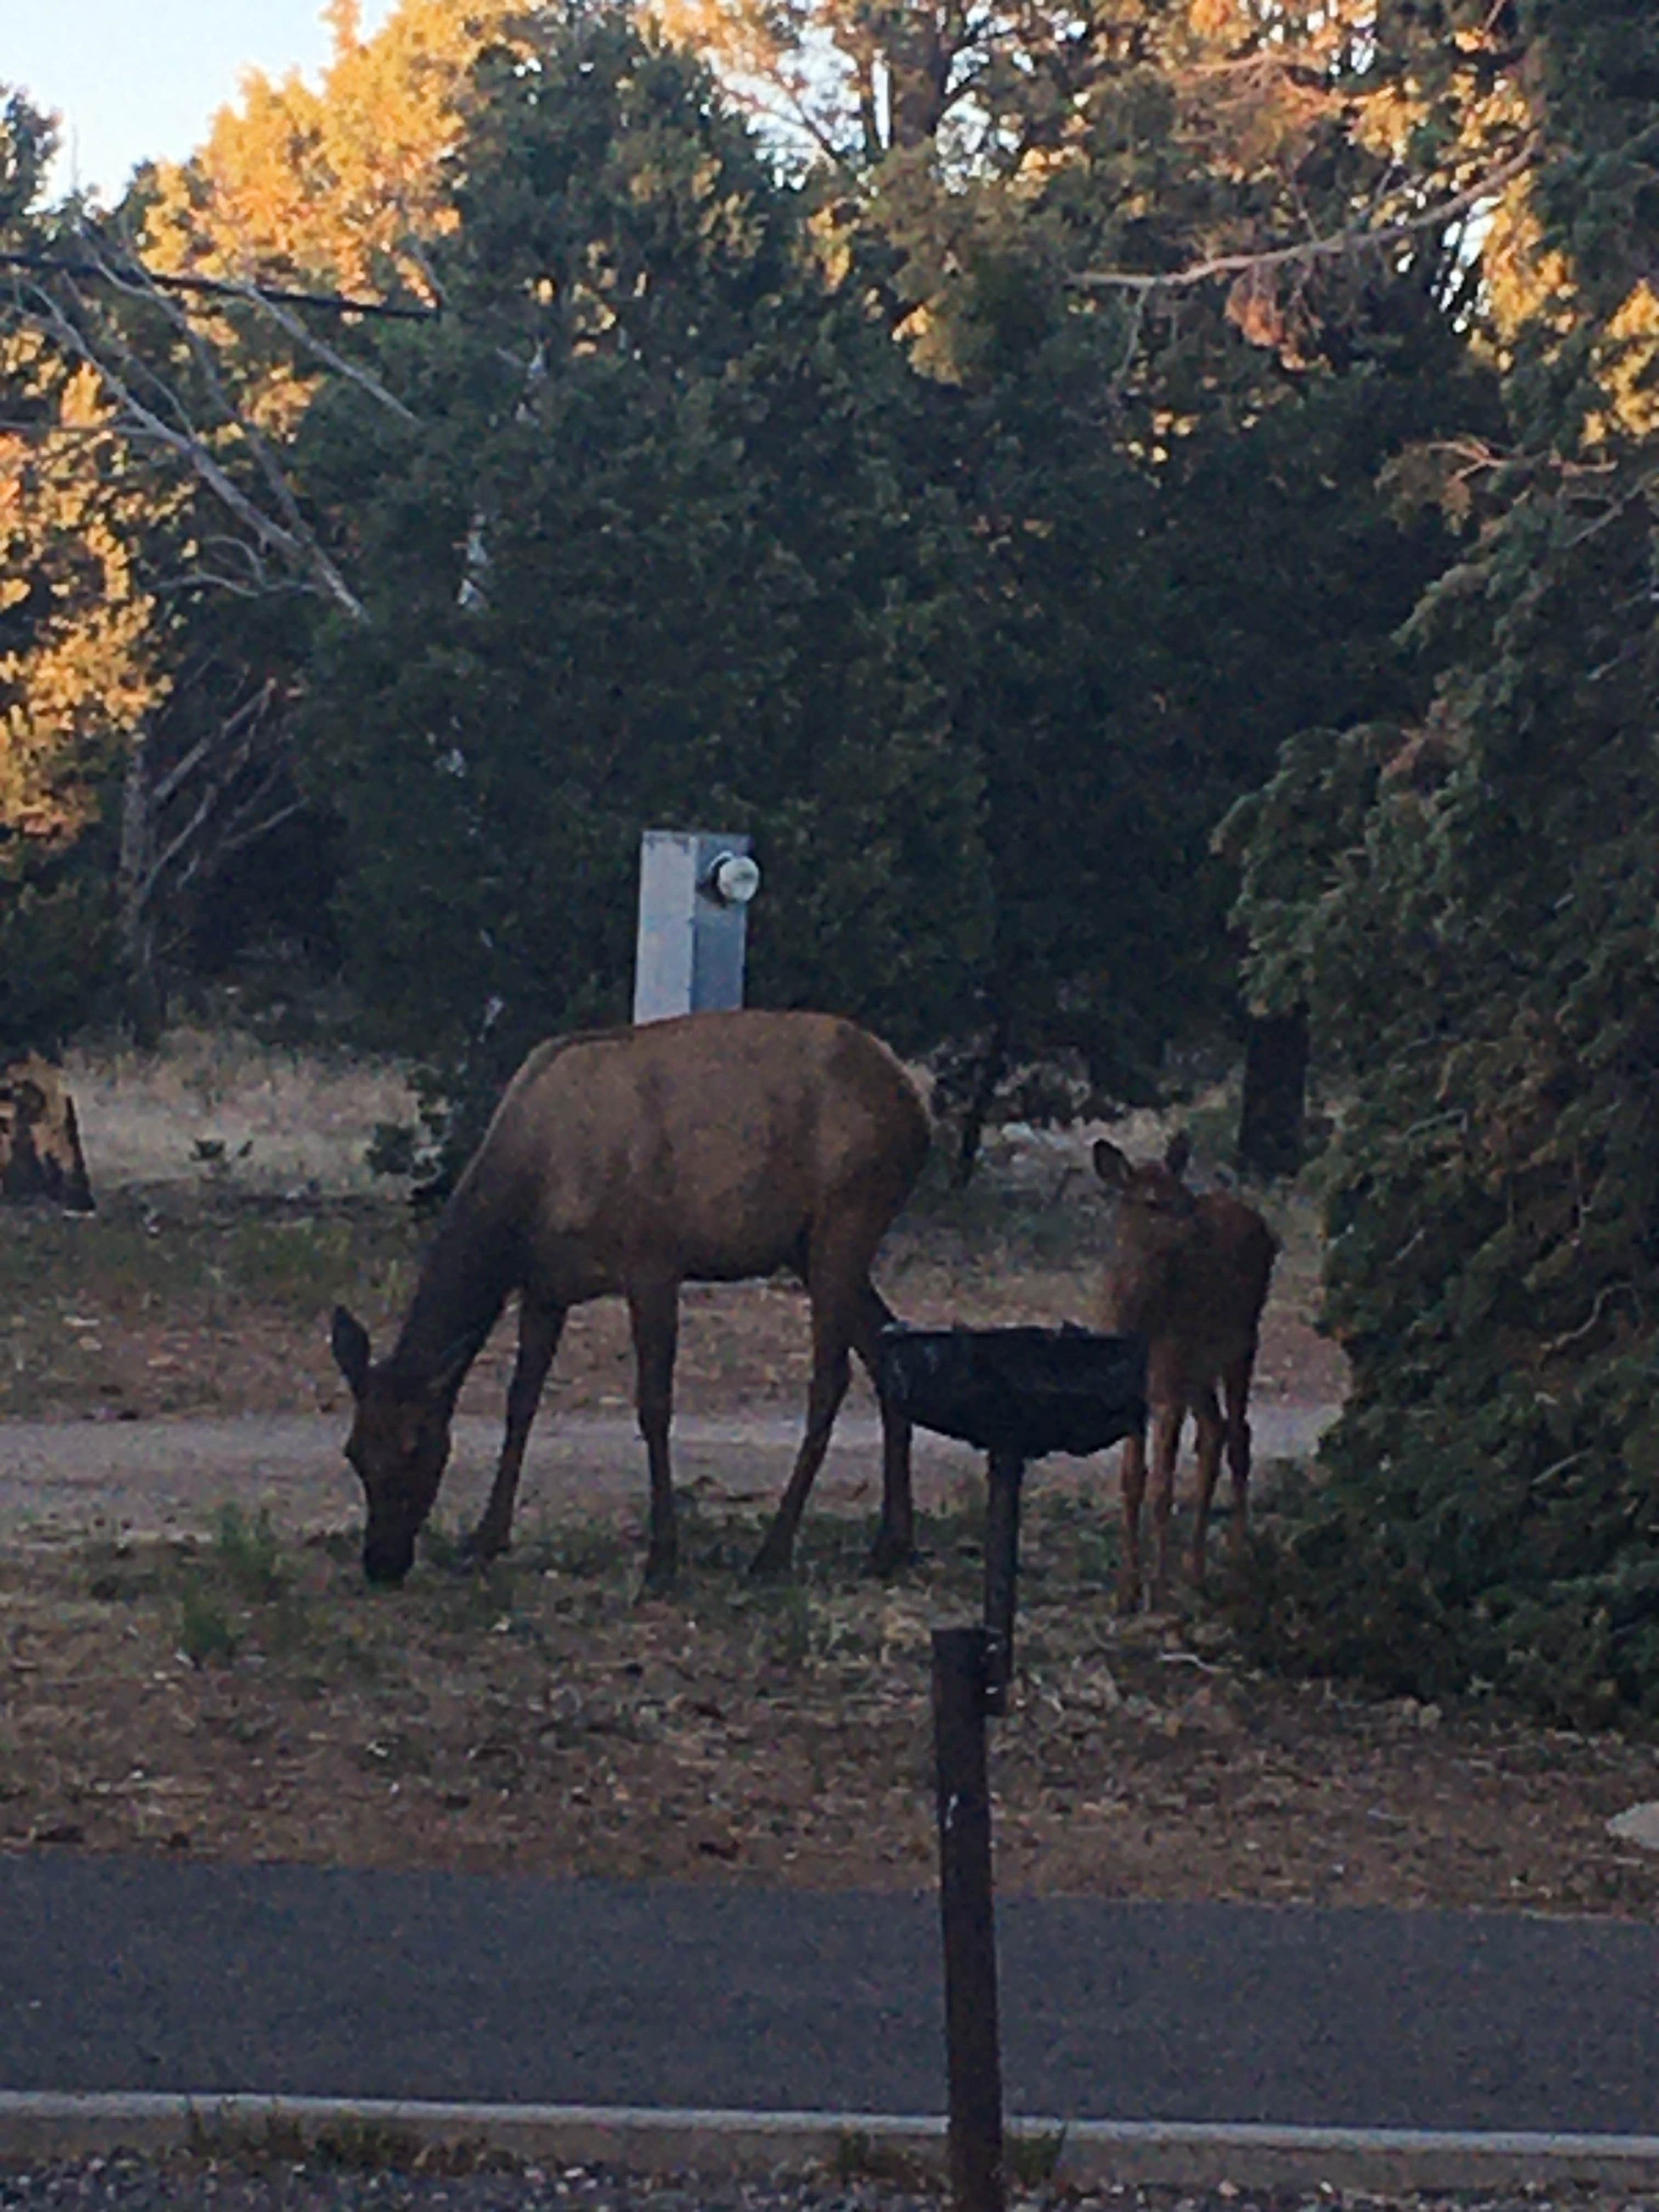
1467	898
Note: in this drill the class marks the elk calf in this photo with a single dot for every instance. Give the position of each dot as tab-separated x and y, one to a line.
1189	1273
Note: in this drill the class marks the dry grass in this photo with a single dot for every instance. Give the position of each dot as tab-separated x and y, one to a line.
280	1121
180	1298
245	1697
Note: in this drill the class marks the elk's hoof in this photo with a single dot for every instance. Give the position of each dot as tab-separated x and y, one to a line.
661	1572
478	1549
889	1556
775	1556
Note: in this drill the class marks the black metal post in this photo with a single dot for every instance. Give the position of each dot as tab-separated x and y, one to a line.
973	2045
1005	1474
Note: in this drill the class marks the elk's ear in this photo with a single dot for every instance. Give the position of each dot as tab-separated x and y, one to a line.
1177	1153
348	1341
1111	1165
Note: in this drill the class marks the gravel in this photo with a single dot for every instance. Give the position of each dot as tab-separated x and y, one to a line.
270	2184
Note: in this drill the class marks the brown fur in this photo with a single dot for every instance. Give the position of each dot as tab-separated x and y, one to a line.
1190	1274
713	1148
40	1154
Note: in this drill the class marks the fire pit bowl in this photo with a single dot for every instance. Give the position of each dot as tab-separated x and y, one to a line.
1018	1393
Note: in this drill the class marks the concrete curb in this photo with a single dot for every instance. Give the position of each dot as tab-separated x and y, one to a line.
39	2125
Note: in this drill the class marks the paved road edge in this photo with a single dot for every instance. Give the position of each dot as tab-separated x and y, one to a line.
42	2125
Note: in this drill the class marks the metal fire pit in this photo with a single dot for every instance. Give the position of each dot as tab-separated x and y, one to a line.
1018	1394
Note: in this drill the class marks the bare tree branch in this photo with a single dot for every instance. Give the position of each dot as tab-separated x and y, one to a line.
364	379
1338	246
143	423
152	410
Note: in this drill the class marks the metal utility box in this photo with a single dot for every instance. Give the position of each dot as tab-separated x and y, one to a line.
694	889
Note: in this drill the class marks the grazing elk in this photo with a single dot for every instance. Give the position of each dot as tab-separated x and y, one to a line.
1189	1273
711	1148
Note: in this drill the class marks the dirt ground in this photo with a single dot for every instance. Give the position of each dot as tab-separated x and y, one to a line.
240	1695
245	1697
200	1299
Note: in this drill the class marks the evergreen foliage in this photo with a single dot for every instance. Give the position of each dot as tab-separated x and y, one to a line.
662	551
1468	901
72	618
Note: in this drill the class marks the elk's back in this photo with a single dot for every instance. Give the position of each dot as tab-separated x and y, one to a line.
711	1146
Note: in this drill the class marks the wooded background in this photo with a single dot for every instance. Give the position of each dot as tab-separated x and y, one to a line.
1146	511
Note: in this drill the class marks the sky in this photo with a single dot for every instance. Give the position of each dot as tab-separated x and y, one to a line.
133	81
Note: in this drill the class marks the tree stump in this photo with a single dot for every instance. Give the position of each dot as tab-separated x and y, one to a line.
40	1154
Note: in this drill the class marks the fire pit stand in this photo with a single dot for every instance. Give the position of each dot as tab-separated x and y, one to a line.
1018	1394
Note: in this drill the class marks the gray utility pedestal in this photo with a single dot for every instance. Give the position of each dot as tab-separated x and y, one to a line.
694	889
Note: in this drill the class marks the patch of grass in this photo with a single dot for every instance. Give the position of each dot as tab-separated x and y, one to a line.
443	1547
144	1115
859	2157
206	1632
298	1261
783	1613
281	2140
586	1551
249	1554
1033	2160
1073	1532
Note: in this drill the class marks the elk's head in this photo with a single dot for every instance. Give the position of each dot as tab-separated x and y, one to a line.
399	1443
1155	1207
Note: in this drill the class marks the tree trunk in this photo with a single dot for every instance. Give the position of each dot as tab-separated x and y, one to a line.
146	1001
1270	1122
989	1073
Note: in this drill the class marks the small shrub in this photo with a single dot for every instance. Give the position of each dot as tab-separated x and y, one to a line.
205	1632
249	1553
1033	2160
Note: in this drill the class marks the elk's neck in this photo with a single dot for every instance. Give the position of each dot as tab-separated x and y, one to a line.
1141	1288
472	1263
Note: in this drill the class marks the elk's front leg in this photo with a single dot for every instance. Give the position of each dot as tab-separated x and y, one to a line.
1166	1443
653	1308
832	1284
895	1546
1132	1481
540	1326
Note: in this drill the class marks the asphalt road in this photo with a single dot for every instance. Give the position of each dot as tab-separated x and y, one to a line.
152	1475
121	1974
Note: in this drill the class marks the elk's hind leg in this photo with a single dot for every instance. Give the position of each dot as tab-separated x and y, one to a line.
654	1310
1207	1412
540	1326
1235	1386
896	1539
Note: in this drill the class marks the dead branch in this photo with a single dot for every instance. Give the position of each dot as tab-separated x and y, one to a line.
142	424
149	409
1339	246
